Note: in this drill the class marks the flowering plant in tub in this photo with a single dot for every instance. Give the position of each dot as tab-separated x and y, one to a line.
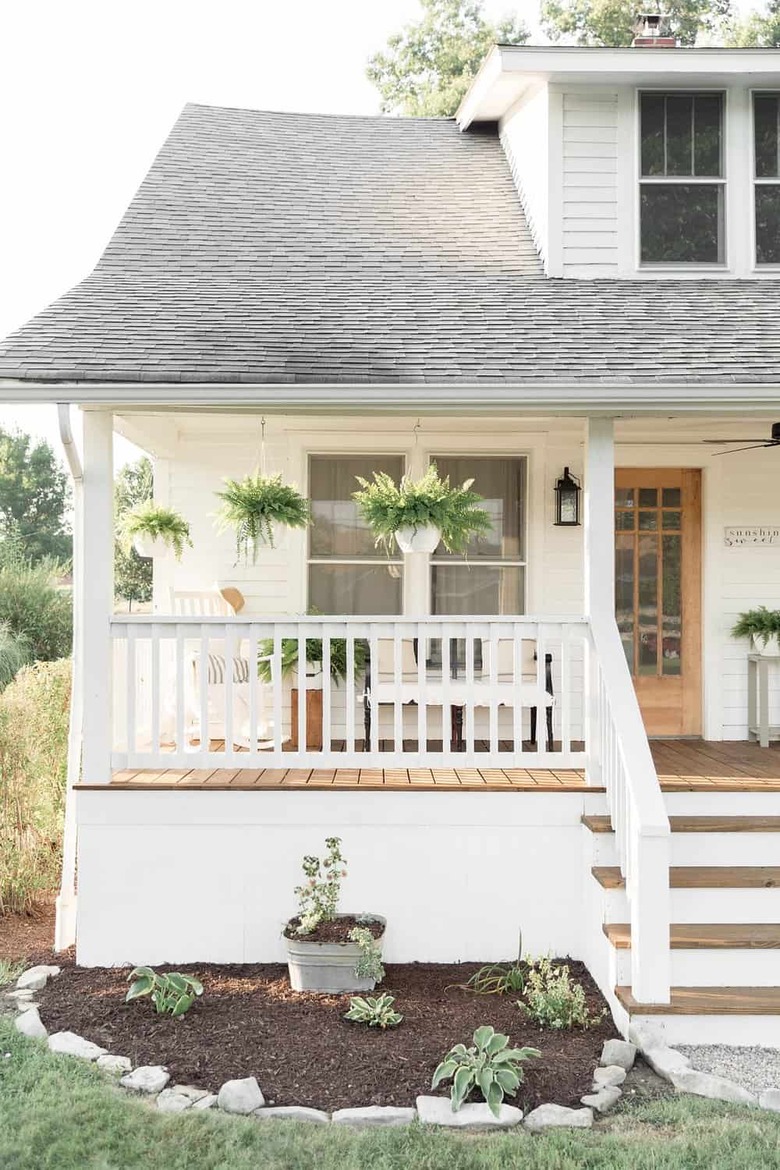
328	951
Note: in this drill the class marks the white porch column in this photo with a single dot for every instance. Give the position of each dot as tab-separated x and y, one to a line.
600	518
98	593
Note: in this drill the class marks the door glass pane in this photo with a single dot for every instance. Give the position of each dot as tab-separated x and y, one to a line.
337	530
625	521
477	589
355	589
648	520
648	497
624	594
624	497
765	130
502	484
671	497
768	224
672	519
648	604
671	662
682	223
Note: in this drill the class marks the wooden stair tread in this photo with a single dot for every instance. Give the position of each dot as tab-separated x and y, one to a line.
701	877
706	936
603	824
707	1001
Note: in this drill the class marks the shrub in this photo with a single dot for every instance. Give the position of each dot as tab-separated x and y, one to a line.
489	1065
15	653
35	608
376	1011
553	999
33	764
318	897
172	993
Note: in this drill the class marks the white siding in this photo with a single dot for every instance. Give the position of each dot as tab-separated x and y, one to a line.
589	184
524	136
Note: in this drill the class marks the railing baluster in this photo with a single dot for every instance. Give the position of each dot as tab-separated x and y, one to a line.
156	700
180	696
277	685
350	697
398	711
302	737
203	687
327	700
254	713
230	653
132	686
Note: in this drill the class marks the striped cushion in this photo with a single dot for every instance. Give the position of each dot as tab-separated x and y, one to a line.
216	672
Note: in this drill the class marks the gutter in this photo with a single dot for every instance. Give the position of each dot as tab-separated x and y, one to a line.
65	921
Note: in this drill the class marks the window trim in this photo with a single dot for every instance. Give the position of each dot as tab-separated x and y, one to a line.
682	266
759	181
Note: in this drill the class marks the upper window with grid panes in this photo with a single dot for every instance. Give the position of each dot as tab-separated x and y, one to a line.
682	182
766	137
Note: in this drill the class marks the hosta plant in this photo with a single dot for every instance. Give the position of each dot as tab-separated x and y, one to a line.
489	1065
252	505
156	522
172	993
376	1011
553	999
429	502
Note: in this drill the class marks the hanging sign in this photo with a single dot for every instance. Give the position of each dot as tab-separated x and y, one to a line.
763	537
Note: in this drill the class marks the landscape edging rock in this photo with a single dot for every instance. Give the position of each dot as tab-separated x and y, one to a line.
675	1067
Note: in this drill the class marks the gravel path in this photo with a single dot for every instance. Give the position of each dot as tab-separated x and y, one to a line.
754	1068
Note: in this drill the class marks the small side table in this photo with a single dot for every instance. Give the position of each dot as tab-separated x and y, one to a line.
759	726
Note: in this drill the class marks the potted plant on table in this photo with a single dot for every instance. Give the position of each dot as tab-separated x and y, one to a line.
329	951
153	530
254	505
762	625
420	513
314	660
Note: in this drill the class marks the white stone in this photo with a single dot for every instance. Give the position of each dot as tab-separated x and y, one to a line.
666	1061
603	1100
438	1111
24	996
292	1113
191	1092
621	1052
29	1024
770	1099
690	1080
117	1066
646	1035
149	1078
240	1096
169	1101
374	1115
556	1117
205	1102
612	1075
35	978
72	1045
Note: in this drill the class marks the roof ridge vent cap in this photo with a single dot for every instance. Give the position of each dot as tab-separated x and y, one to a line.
651	30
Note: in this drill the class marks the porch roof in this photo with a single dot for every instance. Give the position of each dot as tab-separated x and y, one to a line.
266	248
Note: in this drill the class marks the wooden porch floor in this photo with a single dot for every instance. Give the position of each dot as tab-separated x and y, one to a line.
682	765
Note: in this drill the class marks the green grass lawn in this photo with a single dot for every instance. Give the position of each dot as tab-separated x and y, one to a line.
57	1113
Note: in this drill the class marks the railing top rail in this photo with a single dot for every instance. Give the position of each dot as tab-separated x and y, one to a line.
149	619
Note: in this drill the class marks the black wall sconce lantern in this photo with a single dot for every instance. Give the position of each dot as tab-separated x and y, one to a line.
567	499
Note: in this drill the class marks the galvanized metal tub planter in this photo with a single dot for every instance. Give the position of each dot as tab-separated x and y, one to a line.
328	966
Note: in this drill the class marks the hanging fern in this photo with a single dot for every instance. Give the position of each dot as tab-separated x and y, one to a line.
151	519
252	506
427	502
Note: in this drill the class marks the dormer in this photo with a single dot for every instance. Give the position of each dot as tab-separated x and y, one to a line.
644	162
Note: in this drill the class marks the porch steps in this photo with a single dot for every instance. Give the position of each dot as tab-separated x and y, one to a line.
705	935
740	824
701	877
708	1001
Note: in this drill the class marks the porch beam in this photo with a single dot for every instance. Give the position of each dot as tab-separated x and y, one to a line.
97	593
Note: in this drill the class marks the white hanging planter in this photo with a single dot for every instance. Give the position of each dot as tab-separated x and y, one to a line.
150	546
423	539
768	645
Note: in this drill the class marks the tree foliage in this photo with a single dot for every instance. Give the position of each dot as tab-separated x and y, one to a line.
611	22
132	574
36	608
34	497
759	29
428	66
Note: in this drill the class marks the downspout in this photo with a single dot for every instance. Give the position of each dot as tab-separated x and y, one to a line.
65	921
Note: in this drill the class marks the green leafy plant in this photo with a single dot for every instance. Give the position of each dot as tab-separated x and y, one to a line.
369	965
314	654
35	604
498	979
376	1011
762	622
427	502
488	1065
553	999
152	520
172	993
318	897
252	506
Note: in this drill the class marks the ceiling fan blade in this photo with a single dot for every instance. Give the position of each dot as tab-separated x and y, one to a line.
763	441
736	450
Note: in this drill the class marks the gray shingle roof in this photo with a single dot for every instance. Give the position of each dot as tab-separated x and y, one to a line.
292	248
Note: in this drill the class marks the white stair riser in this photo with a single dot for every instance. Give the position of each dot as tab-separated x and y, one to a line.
722	804
702	849
728	905
744	1031
714	968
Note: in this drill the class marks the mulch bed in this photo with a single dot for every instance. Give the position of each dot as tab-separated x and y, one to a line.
27	935
250	1023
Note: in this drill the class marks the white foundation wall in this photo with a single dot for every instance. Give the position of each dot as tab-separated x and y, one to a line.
209	876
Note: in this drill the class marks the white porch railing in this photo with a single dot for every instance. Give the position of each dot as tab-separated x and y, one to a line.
408	692
619	758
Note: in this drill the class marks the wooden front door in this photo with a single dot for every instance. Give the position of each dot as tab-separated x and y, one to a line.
658	593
